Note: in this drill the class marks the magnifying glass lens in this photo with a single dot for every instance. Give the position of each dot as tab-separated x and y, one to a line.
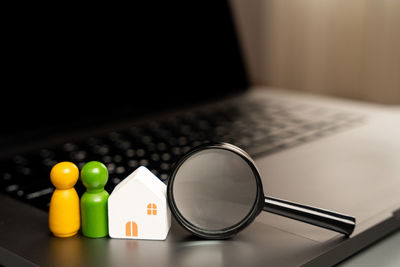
214	189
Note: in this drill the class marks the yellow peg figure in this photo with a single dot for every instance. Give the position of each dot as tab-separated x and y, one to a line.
64	215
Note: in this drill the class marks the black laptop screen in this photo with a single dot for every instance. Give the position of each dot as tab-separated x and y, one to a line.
66	65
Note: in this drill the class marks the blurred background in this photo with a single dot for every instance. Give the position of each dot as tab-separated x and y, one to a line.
335	47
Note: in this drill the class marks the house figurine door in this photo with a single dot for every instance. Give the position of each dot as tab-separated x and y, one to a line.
131	229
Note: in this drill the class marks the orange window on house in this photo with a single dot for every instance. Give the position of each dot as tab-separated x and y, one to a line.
151	209
131	229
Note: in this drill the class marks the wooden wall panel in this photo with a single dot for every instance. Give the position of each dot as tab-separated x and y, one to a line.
335	47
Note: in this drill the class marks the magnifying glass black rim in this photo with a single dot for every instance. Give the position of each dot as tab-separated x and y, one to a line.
229	231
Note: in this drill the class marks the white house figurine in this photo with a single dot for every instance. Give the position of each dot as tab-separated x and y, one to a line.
138	209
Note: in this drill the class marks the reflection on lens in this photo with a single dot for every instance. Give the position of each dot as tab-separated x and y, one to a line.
214	189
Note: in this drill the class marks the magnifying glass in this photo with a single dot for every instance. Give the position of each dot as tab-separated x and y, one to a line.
215	191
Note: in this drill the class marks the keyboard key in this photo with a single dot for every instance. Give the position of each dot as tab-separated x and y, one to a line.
161	146
46	153
115	180
163	176
111	168
106	159
117	158
133	163
140	152
39	193
68	147
78	155
12	188
165	166
130	153
166	157
144	162
120	170
155	157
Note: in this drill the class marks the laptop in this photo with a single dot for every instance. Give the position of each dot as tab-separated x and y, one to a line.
141	86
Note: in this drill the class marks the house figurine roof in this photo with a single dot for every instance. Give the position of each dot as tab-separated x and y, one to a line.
147	178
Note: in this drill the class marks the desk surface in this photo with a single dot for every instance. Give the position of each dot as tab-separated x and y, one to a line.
384	253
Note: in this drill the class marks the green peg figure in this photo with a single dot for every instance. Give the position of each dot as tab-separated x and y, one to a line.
94	215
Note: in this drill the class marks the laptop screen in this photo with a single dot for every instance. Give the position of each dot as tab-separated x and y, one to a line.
112	62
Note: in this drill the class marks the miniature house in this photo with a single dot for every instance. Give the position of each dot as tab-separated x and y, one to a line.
138	209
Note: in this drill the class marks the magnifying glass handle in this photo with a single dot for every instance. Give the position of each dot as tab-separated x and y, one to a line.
327	219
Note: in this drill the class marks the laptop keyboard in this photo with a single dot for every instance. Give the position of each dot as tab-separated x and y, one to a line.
259	127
